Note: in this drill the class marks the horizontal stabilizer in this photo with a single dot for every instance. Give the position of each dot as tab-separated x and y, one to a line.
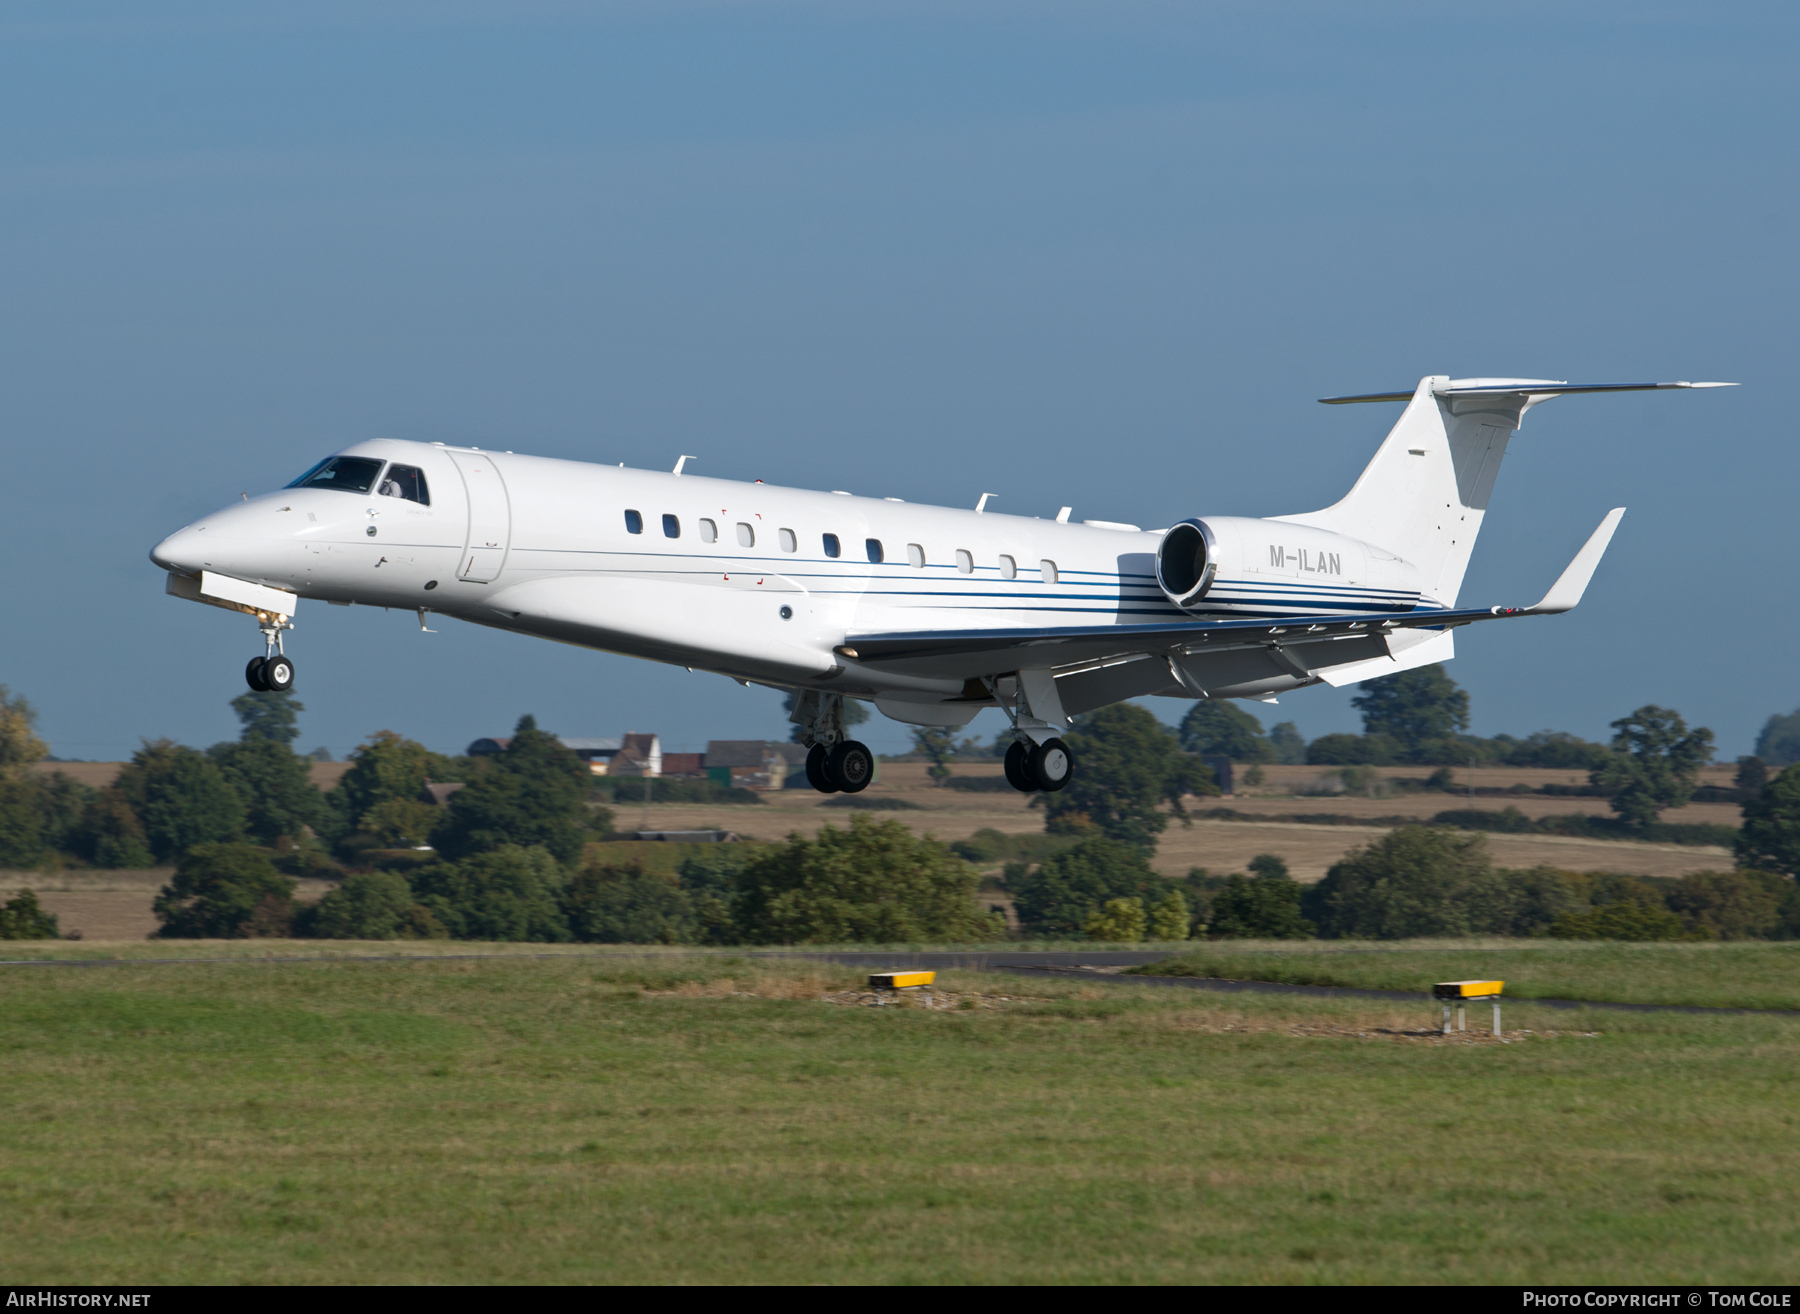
1510	387
1573	582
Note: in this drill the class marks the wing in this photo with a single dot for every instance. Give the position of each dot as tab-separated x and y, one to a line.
1200	657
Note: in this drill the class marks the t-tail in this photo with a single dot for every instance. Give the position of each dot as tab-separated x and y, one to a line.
1424	495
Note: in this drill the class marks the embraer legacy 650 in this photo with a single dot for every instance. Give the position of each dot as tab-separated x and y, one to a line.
932	613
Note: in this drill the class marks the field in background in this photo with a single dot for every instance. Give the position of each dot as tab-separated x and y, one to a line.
115	905
634	1117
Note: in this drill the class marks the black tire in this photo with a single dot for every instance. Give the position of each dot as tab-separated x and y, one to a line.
818	774
851	767
278	673
1052	765
253	675
1016	773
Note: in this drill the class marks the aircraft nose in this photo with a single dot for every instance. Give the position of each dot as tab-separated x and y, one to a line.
180	551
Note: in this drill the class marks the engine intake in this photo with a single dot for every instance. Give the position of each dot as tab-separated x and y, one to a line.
1187	562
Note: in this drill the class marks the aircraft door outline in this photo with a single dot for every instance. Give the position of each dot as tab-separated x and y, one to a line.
490	517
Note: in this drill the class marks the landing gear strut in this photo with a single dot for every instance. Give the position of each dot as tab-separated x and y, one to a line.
835	763
274	671
1037	759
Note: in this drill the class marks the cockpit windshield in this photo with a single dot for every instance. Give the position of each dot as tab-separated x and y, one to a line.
350	474
406	481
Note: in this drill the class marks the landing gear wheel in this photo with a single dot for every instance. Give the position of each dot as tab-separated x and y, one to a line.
851	766
278	673
1052	765
253	675
1017	774
818	774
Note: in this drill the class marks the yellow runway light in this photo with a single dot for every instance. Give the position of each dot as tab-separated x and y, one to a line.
1458	993
900	980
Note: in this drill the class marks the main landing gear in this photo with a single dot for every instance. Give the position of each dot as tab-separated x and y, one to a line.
1047	766
835	763
274	671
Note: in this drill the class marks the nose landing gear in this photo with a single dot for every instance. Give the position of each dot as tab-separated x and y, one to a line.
274	671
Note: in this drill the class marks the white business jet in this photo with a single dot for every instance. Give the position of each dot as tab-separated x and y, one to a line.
932	613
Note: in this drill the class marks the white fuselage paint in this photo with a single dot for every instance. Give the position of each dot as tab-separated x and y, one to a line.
541	546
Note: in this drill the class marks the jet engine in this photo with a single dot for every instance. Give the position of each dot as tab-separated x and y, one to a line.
1227	563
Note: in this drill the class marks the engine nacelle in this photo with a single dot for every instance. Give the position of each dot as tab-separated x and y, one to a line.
1224	562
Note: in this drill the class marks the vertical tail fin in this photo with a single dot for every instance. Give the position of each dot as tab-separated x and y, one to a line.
1425	493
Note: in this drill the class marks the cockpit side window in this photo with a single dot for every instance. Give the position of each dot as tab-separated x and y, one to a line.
349	474
406	481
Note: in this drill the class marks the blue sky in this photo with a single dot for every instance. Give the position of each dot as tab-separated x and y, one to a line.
1104	255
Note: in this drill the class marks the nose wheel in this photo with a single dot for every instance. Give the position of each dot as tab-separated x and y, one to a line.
273	672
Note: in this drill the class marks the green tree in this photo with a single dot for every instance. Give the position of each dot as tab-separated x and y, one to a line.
225	891
530	795
21	832
1220	726
1126	763
181	798
20	746
1411	882
855	713
386	766
1617	921
110	834
1730	905
1265	908
1413	708
1117	921
709	878
1556	749
507	893
1778	744
1170	918
1068	888
1270	867
275	786
268	715
1289	747
609	904
938	746
22	919
1770	837
376	905
1353	750
875	881
1655	764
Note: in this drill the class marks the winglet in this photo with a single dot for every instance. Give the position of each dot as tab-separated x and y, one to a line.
1573	582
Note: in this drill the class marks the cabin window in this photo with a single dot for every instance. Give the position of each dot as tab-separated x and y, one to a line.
788	542
965	564
709	531
407	481
746	535
634	523
671	526
915	556
349	474
831	545
873	547
1009	569
1048	570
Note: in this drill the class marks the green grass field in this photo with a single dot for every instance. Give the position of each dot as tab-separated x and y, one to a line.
1754	974
700	1118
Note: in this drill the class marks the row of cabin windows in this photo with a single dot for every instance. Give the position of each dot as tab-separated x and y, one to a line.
915	554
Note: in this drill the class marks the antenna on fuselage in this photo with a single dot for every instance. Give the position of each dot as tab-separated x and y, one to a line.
1062	516
683	461
981	506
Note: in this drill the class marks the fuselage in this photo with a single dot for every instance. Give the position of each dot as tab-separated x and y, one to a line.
746	579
